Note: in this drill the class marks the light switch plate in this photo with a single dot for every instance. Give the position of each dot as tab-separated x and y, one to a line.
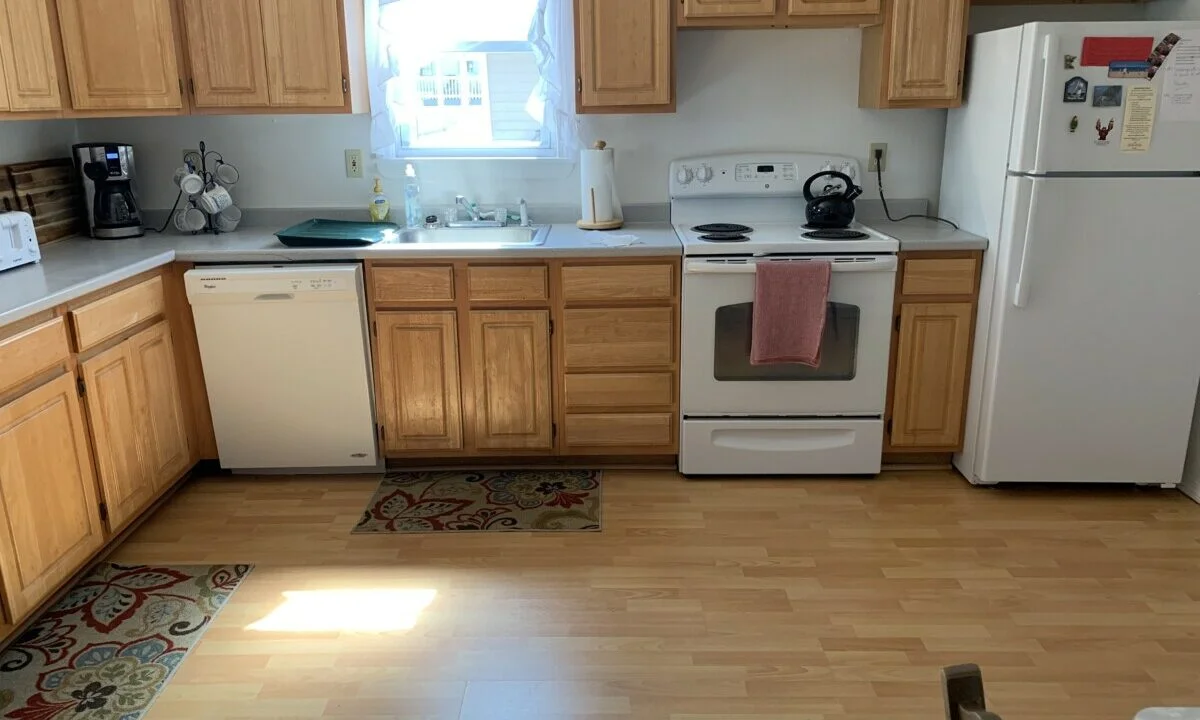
354	163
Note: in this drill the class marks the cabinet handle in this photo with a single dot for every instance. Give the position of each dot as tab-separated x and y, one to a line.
578	84
345	85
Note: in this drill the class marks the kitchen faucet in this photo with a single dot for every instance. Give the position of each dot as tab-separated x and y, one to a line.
478	218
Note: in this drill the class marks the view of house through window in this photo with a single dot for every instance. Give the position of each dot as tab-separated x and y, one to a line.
469	80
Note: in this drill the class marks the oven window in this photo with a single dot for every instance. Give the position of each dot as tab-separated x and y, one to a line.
839	347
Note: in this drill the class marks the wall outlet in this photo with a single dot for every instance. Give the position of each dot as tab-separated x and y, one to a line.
354	163
881	166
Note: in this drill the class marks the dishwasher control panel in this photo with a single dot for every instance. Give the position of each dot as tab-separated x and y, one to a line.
295	280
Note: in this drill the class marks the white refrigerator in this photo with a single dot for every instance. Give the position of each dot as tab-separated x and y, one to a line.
1087	353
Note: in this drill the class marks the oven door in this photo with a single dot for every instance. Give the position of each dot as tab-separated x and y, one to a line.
717	379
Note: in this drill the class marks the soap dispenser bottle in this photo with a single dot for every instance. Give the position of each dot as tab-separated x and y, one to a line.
380	207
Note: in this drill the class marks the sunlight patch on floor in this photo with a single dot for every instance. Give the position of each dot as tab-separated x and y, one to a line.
365	611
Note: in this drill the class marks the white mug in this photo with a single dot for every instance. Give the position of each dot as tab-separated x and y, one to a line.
226	174
189	182
215	200
189	220
228	219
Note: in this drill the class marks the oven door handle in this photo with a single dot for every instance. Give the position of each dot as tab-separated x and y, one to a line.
839	265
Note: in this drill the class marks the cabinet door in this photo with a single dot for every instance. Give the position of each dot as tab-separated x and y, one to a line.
510	357
49	515
27	57
113	412
420	403
304	52
624	54
833	7
927	43
727	8
225	49
932	360
120	54
163	432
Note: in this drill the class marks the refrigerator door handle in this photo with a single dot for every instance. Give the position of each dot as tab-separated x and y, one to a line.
1021	289
1049	51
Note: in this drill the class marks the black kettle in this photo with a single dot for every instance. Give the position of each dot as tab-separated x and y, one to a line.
831	209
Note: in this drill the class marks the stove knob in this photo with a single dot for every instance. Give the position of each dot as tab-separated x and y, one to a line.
704	174
684	176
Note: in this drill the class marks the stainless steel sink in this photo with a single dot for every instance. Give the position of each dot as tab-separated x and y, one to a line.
478	237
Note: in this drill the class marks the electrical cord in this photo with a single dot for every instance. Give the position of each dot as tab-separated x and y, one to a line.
170	215
888	213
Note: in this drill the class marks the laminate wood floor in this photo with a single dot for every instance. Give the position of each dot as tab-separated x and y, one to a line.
804	599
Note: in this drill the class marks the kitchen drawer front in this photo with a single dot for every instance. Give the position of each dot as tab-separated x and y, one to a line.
25	355
621	432
508	283
938	276
418	283
619	390
109	316
619	337
584	283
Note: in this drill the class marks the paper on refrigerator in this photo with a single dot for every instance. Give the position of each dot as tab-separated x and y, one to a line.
1181	83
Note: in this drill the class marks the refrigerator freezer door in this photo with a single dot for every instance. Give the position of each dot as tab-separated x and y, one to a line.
1043	141
1091	372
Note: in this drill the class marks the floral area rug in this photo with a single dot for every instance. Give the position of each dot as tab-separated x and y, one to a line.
484	500
107	649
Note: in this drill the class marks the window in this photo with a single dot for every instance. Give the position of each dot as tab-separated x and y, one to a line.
470	78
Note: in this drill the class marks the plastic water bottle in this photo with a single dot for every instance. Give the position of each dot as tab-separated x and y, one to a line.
413	217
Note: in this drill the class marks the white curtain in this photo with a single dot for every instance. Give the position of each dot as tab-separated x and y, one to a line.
405	34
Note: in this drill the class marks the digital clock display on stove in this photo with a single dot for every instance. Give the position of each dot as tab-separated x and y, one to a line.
766	168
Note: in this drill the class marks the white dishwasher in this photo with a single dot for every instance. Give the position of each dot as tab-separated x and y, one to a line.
286	360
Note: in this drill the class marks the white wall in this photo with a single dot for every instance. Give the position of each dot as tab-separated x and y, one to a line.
24	140
738	90
1173	10
994	17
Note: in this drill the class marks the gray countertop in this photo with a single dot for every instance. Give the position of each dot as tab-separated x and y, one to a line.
919	234
77	266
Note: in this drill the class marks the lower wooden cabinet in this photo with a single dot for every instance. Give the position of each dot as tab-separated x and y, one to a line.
420	401
49	513
510	363
135	407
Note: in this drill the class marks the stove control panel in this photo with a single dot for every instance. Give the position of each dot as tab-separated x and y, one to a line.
751	174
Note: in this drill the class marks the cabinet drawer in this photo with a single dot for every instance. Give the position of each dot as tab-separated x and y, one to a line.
587	392
940	276
522	282
627	337
24	355
621	430
618	282
108	316
426	283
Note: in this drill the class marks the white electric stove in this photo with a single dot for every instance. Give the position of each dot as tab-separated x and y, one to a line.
731	213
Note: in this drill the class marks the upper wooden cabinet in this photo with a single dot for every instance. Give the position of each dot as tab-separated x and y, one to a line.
624	52
304	52
121	54
832	7
727	8
28	70
915	58
226	51
511	365
49	515
777	13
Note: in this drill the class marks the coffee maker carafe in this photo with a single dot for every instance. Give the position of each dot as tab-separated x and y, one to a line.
107	173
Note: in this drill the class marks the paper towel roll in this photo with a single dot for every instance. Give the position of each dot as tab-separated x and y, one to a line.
601	208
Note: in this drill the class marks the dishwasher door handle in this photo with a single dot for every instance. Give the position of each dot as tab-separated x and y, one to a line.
275	296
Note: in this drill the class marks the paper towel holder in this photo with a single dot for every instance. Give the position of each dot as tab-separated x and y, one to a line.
614	224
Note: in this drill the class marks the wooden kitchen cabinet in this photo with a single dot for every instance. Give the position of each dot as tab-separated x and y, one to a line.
227	53
624	53
935	309
121	54
727	8
797	8
115	418
419	395
163	429
914	59
28	69
304	53
776	13
510	361
49	513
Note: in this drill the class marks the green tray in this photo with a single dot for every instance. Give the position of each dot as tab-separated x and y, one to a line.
318	233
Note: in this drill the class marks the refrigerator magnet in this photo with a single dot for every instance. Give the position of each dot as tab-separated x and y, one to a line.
1069	62
1102	131
1074	123
1075	91
1107	96
1127	69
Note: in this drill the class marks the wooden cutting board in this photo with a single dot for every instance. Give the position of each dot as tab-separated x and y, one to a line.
50	192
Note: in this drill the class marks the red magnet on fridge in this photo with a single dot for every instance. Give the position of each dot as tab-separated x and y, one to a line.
1102	131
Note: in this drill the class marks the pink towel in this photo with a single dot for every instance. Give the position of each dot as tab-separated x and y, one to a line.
789	312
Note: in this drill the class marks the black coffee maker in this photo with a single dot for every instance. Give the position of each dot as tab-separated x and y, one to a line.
107	173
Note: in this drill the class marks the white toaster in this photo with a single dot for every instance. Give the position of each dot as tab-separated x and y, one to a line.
18	240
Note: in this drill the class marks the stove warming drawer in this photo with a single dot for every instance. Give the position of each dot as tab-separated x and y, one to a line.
815	446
